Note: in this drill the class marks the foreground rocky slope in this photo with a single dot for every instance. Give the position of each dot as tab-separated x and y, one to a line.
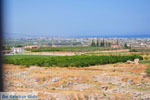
104	82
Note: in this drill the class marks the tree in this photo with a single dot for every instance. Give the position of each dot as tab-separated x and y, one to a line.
93	43
97	44
102	43
126	46
109	44
19	46
117	42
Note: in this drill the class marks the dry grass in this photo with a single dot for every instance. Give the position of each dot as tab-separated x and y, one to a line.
83	75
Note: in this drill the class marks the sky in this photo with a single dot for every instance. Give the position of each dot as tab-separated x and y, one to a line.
77	17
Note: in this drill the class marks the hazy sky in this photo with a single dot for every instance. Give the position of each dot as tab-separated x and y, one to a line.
77	17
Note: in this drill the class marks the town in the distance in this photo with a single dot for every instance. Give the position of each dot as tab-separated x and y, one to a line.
14	46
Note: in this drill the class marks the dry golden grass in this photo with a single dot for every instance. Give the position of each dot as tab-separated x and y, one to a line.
83	75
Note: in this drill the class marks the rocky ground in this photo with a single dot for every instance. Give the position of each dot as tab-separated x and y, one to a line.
102	82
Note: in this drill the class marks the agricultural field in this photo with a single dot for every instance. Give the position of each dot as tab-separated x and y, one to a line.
71	49
67	61
115	52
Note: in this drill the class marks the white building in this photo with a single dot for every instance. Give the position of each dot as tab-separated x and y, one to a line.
17	50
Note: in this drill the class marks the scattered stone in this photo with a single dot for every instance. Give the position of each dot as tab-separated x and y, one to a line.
56	79
75	83
37	79
139	84
72	78
104	87
39	68
145	97
62	86
130	82
36	84
69	83
116	90
108	79
44	84
144	75
137	94
123	84
82	86
17	84
82	96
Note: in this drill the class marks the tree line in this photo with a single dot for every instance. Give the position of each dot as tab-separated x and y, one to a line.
99	43
103	43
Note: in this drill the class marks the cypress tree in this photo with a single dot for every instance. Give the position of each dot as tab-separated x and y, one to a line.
125	46
97	44
103	43
93	43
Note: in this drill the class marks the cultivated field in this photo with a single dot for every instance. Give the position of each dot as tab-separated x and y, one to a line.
67	61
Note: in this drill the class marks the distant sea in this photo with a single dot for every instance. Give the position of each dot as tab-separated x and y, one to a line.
82	36
118	36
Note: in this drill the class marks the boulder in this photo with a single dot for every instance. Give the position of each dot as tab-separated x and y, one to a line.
103	87
129	62
56	79
138	94
136	61
62	86
130	82
69	83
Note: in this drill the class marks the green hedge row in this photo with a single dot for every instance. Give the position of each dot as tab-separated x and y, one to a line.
66	61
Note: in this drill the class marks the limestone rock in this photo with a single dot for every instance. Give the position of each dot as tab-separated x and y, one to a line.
56	79
103	87
130	82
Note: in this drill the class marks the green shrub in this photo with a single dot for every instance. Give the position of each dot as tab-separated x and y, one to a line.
140	50
148	71
133	50
146	58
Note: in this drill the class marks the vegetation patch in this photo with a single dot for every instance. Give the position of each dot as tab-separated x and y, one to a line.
71	49
148	71
140	50
67	61
144	62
